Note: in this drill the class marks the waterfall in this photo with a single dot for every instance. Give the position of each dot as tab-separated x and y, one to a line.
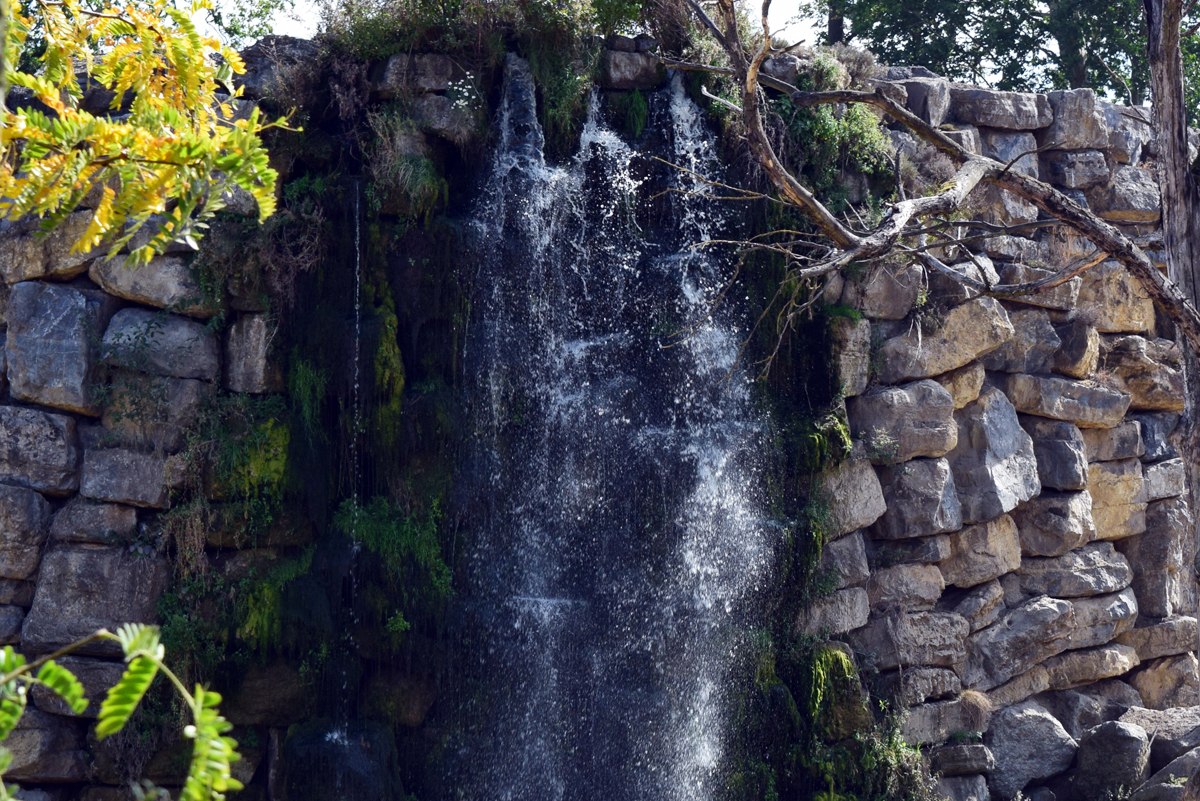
615	486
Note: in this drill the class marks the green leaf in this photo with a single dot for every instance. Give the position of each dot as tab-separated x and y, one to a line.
11	710
63	682
6	758
138	638
125	695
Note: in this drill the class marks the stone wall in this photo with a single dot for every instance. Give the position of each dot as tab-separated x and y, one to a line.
1013	539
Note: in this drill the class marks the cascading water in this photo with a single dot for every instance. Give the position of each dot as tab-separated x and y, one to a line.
614	480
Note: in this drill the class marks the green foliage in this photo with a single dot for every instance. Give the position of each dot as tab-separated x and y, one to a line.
404	179
616	16
388	412
307	384
210	773
245	21
260	604
64	683
630	112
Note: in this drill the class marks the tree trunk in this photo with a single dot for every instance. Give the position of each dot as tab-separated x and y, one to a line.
837	24
1072	50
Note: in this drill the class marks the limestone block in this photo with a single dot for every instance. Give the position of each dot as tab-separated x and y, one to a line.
440	115
420	72
87	587
1055	522
783	67
969	331
1099	619
631	70
921	500
51	344
1129	131
28	257
1115	300
96	675
962	759
161	344
1079	352
1074	169
1025	636
906	639
1164	479
250	368
1161	558
922	550
1062	297
120	475
847	559
268	60
993	462
935	722
1175	730
981	605
1010	110
46	748
1028	745
1028	684
1153	385
1079	122
1168	682
1167	637
1032	346
917	685
853	495
963	384
899	423
1060	451
928	98
962	788
1059	399
148	412
1012	146
1076	710
1157	431
982	552
996	206
83	521
1113	757
1015	249
1094	569
24	521
1076	668
910	587
165	282
1131	197
1122	441
1118	498
842	611
967	136
885	292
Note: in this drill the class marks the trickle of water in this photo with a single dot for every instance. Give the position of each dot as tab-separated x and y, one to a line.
621	534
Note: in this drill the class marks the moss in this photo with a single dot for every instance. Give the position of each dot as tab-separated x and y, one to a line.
388	365
630	112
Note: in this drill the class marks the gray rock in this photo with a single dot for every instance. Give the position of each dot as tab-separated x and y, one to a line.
272	695
1013	147
1029	745
16	593
963	384
1100	618
917	685
921	500
1164	479
922	550
24	521
1168	783
1129	131
1079	353
1063	297
1011	110
1014	691
1074	169
899	423
982	552
960	760
981	606
1153	385
120	475
1156	435
1113	757
269	61
440	115
248	363
51	344
928	98
846	558
1161	558
4	292
96	675
147	412
1094	569
1174	732
87	587
1055	522
783	67
993	463
1076	668
1032	347
1025	636
1115	301
165	282
967	136
906	639
962	788
419	72
1060	451
84	521
1118	498
46	748
29	257
1122	441
996	206
969	331
1131	197
1059	399
161	344
936	722
1170	681
1079	123
853	495
1015	249
842	611
885	292
850	342
1077	711
11	618
910	587
1168	637
631	70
